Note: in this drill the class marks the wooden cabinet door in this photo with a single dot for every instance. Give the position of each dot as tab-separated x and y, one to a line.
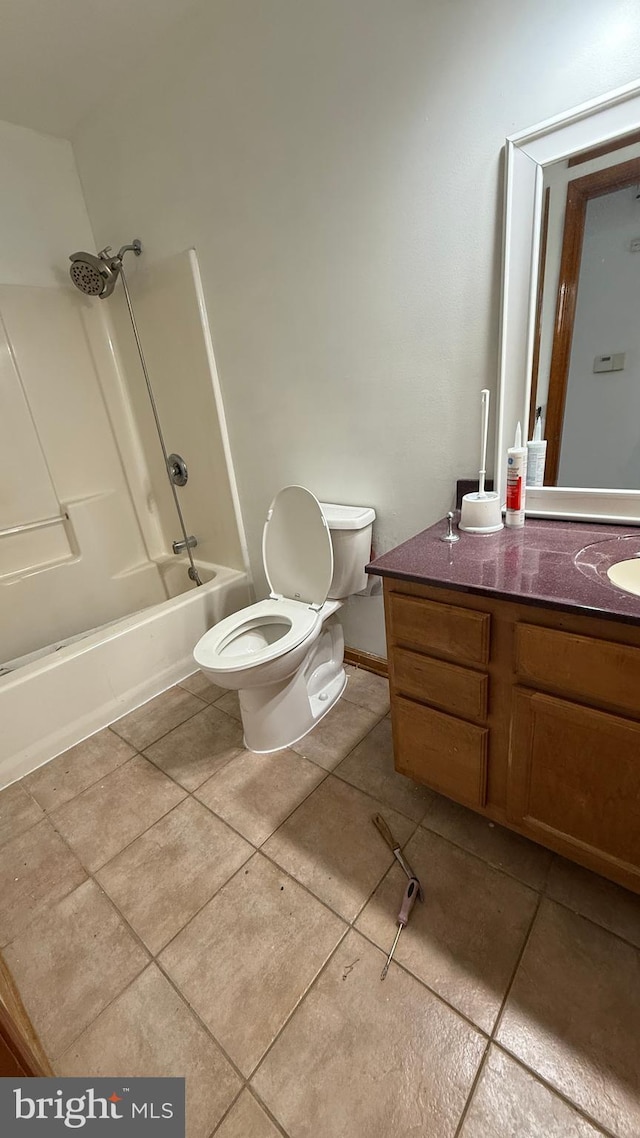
443	752
574	780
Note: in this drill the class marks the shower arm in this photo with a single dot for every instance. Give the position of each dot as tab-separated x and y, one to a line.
136	247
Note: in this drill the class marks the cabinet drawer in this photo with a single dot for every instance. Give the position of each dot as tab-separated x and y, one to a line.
575	774
446	754
462	634
597	671
454	689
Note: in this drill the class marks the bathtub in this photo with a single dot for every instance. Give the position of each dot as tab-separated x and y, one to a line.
78	687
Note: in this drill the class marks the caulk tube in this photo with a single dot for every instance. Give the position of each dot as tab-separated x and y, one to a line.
516	480
536	456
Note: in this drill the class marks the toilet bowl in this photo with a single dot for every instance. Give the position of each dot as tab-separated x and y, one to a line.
284	655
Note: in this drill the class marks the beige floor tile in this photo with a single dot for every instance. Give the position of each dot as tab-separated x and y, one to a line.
337	734
247	1119
370	767
148	1030
364	1058
230	704
60	780
331	845
509	1102
71	962
367	690
500	847
573	1016
195	750
593	896
18	812
255	793
199	684
246	959
464	939
161	880
154	718
102	820
36	869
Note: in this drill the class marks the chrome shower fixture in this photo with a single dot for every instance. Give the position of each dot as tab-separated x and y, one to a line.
97	275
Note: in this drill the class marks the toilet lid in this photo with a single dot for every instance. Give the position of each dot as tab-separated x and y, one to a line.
296	547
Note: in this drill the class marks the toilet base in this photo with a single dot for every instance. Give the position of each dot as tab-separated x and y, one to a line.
277	715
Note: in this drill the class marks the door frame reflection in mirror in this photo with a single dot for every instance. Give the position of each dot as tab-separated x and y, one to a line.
593	124
580	191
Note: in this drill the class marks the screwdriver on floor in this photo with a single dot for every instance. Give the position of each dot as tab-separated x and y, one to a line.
408	901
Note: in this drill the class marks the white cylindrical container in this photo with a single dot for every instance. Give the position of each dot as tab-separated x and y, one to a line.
516	481
480	513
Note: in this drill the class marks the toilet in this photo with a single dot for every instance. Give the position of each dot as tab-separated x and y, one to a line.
284	655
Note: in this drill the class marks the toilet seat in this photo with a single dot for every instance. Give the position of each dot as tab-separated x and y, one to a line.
297	555
215	650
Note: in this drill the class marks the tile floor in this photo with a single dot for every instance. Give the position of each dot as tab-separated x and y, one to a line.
173	904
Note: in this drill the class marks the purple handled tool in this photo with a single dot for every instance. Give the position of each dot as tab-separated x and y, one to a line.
408	901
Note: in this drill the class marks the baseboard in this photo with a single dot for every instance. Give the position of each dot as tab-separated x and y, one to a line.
366	660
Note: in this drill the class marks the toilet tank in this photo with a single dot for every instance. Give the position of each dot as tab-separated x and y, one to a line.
350	528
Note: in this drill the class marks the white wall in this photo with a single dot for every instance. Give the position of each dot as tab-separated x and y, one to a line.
601	433
336	164
43	216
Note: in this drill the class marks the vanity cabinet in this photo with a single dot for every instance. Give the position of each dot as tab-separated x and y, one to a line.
528	715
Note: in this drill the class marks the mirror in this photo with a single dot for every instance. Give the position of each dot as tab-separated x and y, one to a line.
570	334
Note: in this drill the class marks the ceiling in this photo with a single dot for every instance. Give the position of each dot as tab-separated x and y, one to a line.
58	58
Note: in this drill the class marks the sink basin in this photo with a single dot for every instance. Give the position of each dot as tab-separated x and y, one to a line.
626	575
615	561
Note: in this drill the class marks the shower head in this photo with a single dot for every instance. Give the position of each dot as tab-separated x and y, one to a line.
97	275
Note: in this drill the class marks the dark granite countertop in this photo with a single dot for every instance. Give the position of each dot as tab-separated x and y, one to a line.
537	564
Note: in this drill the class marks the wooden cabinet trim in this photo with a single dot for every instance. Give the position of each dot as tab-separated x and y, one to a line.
445	753
575	773
448	687
505	737
601	672
442	630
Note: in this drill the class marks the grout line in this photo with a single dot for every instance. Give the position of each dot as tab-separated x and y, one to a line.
600	1126
202	1024
272	1118
472	1090
299	1004
227	1112
112	770
150	742
153	960
541	892
423	983
98	868
498	1018
485	861
193	916
527	938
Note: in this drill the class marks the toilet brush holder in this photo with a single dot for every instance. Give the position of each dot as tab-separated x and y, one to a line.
480	513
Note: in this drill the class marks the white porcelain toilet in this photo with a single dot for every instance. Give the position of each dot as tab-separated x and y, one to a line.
285	655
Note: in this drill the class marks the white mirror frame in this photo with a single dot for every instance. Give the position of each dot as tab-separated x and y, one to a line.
527	153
